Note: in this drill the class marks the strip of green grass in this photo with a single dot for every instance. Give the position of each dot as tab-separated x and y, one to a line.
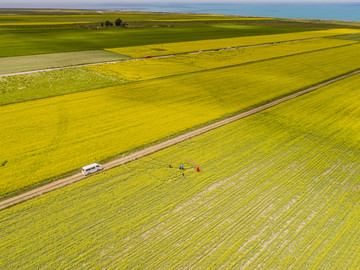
277	190
43	40
52	83
349	37
43	61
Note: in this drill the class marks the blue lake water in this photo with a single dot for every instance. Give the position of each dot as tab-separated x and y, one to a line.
328	11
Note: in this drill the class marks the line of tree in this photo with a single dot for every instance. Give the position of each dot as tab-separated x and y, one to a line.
118	22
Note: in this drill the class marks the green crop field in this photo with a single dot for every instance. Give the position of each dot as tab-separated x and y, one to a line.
349	37
52	83
44	61
68	39
277	190
60	134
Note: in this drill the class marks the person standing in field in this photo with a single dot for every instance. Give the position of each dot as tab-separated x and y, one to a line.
183	176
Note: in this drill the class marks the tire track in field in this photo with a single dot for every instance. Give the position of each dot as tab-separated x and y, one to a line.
160	146
159	56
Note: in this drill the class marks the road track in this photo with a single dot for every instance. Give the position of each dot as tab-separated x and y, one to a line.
152	149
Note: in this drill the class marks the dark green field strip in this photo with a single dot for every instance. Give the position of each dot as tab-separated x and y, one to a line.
27	41
43	61
348	37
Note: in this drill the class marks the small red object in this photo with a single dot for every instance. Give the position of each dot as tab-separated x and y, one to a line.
148	56
198	169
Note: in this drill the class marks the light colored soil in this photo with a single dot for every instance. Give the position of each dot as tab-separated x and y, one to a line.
152	149
20	64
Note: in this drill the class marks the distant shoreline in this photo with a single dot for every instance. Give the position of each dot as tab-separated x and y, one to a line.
324	11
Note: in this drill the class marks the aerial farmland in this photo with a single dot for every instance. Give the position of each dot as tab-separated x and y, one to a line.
226	141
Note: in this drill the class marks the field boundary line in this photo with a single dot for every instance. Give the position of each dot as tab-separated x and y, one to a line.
160	146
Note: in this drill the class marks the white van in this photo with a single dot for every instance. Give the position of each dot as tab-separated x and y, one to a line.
95	167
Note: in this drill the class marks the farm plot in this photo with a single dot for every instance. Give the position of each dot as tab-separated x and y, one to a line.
276	190
61	134
155	67
191	46
43	61
26	41
45	84
52	83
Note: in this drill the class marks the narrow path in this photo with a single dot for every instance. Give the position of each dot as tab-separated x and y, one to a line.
152	149
160	56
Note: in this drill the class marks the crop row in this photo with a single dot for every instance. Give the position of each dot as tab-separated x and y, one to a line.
160	67
61	134
191	46
276	190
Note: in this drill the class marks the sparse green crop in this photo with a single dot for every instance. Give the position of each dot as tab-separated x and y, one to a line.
55	60
276	190
52	83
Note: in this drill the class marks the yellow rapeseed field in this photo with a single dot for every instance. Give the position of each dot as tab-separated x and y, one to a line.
276	190
190	46
49	137
159	67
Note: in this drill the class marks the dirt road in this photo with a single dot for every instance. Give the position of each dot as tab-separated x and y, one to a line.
147	151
